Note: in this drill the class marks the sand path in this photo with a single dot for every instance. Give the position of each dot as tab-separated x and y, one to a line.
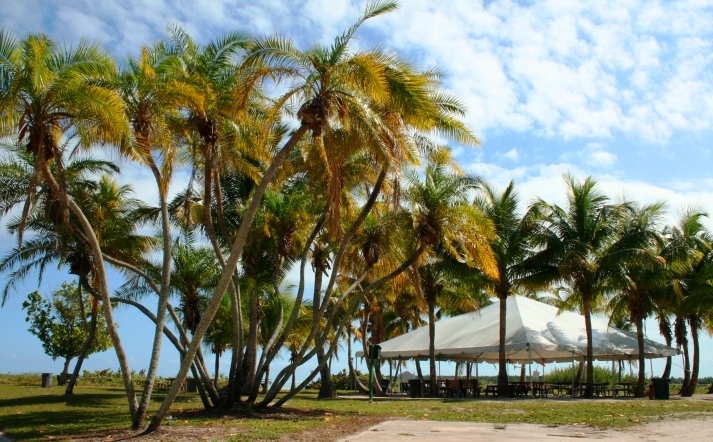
694	429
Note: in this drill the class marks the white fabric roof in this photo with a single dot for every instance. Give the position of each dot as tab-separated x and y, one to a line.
534	332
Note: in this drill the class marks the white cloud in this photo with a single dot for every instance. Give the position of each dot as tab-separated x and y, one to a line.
512	154
566	70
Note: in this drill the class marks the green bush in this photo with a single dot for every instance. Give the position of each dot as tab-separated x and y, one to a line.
564	375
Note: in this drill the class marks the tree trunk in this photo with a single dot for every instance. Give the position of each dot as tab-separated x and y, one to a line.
250	358
217	369
281	378
87	345
589	388
578	375
693	383
419	373
432	346
236	351
665	329
352	371
681	333
326	389
640	386
138	420
200	387
523	372
267	380
100	277
62	378
503	385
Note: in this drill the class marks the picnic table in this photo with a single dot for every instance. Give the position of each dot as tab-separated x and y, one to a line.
461	387
519	388
491	388
560	387
627	388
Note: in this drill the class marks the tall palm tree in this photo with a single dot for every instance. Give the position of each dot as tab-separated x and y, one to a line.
689	251
154	97
511	245
639	277
444	220
574	239
48	90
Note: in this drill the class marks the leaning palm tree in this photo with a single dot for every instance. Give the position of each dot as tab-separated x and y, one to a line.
49	90
333	79
512	245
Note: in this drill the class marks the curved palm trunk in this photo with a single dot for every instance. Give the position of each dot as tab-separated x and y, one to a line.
282	377
641	384
236	359
665	330
589	387
250	358
263	366
101	278
235	252
138	420
503	387
85	348
680	331
326	389
350	362
693	383
235	373
432	346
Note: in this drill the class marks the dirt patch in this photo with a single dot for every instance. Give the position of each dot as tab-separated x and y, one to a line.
223	425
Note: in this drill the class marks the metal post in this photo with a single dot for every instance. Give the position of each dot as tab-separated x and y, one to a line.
574	374
529	367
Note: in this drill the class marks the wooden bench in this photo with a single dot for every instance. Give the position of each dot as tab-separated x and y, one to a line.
470	386
491	388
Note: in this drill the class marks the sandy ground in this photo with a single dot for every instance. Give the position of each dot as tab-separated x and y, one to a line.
695	429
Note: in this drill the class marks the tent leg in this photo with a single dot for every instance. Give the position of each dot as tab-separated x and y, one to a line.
573	374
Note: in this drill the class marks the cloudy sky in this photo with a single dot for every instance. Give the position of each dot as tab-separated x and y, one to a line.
620	90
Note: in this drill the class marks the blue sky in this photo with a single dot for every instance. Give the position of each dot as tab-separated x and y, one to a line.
621	90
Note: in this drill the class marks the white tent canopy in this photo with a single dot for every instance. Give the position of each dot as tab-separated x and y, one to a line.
535	332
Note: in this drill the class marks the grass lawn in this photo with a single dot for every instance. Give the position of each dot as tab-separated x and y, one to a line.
29	412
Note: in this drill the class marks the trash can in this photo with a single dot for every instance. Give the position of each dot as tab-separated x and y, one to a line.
191	385
46	380
661	389
414	386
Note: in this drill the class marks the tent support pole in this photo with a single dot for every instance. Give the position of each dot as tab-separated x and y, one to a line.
574	374
529	365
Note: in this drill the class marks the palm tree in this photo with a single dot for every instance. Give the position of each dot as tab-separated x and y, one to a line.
454	229
688	251
640	276
574	239
511	245
48	90
154	97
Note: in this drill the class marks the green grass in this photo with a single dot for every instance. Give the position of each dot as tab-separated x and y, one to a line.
29	412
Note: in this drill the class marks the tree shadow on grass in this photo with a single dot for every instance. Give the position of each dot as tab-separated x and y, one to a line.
32	417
